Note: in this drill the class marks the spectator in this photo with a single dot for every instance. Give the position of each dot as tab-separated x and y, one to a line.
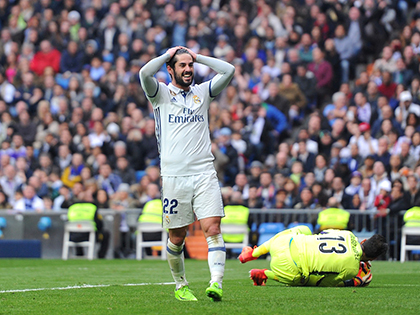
294	95
71	173
72	59
254	201
387	62
18	148
152	192
282	164
10	183
345	48
339	193
107	179
48	56
364	109
122	201
379	175
28	94
383	154
405	107
323	73
388	86
367	195
355	184
241	185
30	201
39	181
398	202
256	168
413	191
407	160
150	143
306	82
366	143
306	202
291	189
338	109
302	154
386	112
266	190
231	166
383	200
125	171
7	90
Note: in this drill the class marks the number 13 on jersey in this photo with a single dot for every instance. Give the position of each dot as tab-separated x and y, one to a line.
332	244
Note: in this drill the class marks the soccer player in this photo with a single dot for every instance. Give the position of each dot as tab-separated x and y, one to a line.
332	258
189	181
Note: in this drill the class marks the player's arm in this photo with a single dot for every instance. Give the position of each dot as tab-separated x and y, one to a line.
225	72
149	83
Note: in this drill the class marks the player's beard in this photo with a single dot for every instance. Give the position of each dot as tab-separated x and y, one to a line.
180	81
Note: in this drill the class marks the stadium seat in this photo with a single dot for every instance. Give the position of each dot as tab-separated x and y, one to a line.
294	224
236	229
364	234
268	230
79	227
148	227
408	230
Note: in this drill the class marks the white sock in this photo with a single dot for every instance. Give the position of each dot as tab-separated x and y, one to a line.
216	258
175	256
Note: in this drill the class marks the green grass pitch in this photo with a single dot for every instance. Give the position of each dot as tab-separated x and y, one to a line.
29	286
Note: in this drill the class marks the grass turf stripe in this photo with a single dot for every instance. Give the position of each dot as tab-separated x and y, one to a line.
85	286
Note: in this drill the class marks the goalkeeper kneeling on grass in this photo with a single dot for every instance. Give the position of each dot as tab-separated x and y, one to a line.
332	258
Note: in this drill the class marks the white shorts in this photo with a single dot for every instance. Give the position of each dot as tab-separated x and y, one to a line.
187	197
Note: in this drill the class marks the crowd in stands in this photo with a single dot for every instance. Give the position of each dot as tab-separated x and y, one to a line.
325	101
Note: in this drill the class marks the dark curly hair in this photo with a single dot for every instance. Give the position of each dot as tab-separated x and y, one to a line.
375	246
173	60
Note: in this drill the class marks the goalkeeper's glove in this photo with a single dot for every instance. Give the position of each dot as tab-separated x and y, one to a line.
363	278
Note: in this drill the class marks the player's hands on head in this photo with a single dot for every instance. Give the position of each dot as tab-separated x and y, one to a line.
193	54
172	51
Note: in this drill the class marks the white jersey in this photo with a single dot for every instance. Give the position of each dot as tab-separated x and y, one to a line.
179	115
182	128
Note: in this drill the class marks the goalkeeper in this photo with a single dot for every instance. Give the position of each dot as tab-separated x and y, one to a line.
332	258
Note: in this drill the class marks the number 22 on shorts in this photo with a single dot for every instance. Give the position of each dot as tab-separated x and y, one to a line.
169	206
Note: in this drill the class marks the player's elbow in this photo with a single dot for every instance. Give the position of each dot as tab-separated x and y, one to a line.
142	75
230	70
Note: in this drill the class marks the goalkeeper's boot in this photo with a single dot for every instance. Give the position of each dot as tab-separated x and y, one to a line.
185	294
214	292
258	276
246	254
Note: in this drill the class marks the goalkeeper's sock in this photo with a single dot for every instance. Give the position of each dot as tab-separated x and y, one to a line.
175	256
216	258
271	275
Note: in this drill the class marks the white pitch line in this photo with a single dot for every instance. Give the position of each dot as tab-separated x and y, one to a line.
85	286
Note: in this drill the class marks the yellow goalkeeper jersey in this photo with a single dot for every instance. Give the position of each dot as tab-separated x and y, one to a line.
327	259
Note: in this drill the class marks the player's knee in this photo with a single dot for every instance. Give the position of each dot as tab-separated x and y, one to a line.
212	230
176	240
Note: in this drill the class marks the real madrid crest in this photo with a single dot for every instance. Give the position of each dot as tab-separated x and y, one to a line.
172	92
196	99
